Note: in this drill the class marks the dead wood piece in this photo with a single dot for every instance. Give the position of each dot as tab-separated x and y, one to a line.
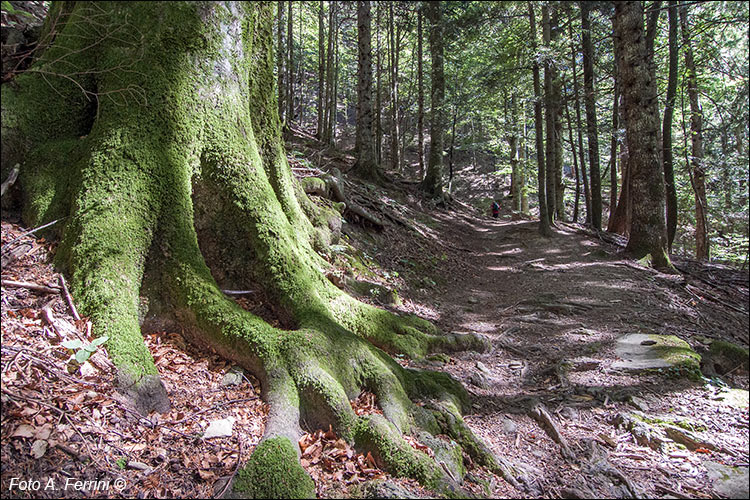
336	189
540	413
11	179
29	286
68	298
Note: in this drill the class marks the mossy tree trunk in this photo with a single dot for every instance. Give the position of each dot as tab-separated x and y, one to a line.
432	184
648	232
163	152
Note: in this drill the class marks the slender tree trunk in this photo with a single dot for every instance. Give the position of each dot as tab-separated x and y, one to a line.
579	128
523	156
575	161
280	56
613	149
378	101
321	69
697	165
591	122
394	150
544	223
330	72
652	25
549	116
433	181
420	96
667	156
365	138
290	65
450	150
515	179
648	234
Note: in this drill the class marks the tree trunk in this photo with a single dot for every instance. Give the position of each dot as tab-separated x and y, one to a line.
176	186
330	113
667	157
366	166
613	149
550	114
648	236
544	223
697	165
378	100
516	176
579	130
591	123
321	69
280	58
393	58
420	96
433	181
289	66
576	204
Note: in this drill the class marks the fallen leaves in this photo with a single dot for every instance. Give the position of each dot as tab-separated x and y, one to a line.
328	458
77	422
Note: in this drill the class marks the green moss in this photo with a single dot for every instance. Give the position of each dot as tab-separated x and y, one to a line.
683	423
273	471
677	352
374	433
733	352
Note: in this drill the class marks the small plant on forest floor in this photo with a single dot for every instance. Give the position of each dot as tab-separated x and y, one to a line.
82	350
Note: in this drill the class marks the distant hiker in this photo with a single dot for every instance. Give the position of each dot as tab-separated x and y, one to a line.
495	209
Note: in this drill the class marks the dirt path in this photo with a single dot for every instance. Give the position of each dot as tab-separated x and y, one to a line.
552	310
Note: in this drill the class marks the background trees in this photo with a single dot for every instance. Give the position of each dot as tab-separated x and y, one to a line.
491	132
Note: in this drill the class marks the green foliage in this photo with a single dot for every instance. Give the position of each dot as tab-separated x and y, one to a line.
84	350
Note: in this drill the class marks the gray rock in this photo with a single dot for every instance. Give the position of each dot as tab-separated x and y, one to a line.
483	368
233	376
640	351
480	380
384	489
729	482
638	403
509	426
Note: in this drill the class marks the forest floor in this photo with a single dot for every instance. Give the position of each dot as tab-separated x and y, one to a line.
548	395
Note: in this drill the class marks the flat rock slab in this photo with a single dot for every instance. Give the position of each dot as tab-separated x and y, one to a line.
640	351
729	482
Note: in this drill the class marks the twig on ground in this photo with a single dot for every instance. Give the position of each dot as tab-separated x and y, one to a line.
68	298
29	286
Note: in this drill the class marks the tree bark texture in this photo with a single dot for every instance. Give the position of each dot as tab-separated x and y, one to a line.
647	228
175	185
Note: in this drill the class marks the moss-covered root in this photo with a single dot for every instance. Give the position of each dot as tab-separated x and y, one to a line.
274	471
375	434
451	423
411	335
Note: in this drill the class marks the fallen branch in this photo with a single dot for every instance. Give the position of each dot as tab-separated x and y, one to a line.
540	413
29	286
